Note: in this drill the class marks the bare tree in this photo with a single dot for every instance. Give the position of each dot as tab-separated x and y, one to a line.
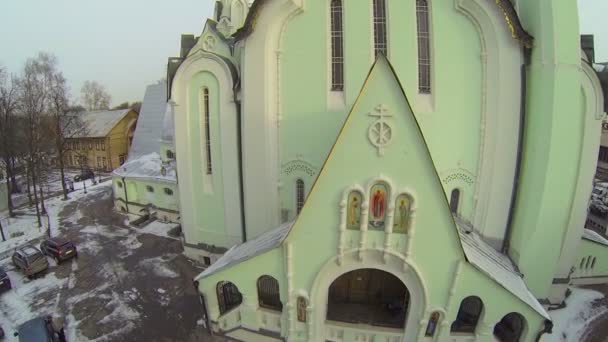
65	122
8	106
95	96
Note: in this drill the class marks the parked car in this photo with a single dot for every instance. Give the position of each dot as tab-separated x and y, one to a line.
58	249
40	329
5	282
30	260
1	333
86	174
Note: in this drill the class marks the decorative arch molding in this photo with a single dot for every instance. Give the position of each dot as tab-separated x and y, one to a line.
501	59
261	38
201	61
410	276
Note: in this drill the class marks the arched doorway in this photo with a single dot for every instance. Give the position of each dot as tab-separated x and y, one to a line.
368	296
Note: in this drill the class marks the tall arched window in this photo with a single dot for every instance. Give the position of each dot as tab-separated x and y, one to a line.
510	328
424	51
454	201
268	293
353	210
380	44
299	195
378	203
228	296
209	168
468	315
301	309
337	44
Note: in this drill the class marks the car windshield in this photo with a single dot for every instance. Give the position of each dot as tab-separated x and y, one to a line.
597	191
67	245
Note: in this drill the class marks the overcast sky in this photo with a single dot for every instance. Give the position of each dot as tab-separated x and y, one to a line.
124	44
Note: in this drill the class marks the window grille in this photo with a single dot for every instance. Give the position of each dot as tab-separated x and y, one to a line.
268	293
337	46
468	315
424	53
380	44
207	131
228	296
299	195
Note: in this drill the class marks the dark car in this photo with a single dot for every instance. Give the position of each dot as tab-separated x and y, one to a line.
1	333
5	282
58	249
30	260
86	174
39	330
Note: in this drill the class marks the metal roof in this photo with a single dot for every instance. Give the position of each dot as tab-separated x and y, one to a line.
146	138
591	235
100	123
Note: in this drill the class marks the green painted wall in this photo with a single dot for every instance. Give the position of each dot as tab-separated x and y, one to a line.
584	267
137	192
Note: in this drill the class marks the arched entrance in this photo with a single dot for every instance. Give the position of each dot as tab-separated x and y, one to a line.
368	296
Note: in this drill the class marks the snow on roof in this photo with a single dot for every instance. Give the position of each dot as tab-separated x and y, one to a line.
248	250
589	234
168	126
146	138
496	266
147	167
100	123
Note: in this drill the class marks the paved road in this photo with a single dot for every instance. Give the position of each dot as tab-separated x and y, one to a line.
125	285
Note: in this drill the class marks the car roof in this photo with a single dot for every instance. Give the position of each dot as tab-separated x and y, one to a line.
33	330
58	241
29	250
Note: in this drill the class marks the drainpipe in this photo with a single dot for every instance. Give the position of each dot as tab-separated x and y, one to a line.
124	187
205	311
506	242
548	328
239	147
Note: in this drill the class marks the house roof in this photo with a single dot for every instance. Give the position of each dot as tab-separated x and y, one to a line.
248	250
166	134
591	235
146	138
100	123
148	167
497	266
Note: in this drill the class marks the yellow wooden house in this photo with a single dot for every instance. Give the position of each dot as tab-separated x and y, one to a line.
105	141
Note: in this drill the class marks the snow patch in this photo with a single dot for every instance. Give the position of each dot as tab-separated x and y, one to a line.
158	267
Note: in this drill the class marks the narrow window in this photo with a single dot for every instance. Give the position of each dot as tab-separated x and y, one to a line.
207	130
432	325
337	51
168	192
268	293
299	195
170	154
454	199
103	145
353	211
582	263
301	309
468	315
402	212
380	45
424	53
588	263
593	263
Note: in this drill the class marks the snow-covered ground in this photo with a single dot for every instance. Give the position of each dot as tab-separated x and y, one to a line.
571	322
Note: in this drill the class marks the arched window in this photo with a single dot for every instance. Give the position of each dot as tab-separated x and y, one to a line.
149	188
380	44
228	296
301	306
510	328
468	315
377	205
593	263
582	263
168	192
299	195
337	44
402	214
209	167
424	51
170	154
268	293
454	201
588	263
353	210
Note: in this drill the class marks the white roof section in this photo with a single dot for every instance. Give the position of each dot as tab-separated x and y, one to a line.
168	125
589	234
147	167
150	122
100	123
496	266
239	253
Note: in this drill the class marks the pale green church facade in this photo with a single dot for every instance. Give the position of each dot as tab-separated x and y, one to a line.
425	185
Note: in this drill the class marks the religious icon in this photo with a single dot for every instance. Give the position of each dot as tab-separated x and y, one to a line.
432	325
353	214
402	210
377	208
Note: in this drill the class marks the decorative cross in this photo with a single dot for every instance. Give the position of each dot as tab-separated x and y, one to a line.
380	132
209	43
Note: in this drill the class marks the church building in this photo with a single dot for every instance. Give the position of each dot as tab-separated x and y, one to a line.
387	170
